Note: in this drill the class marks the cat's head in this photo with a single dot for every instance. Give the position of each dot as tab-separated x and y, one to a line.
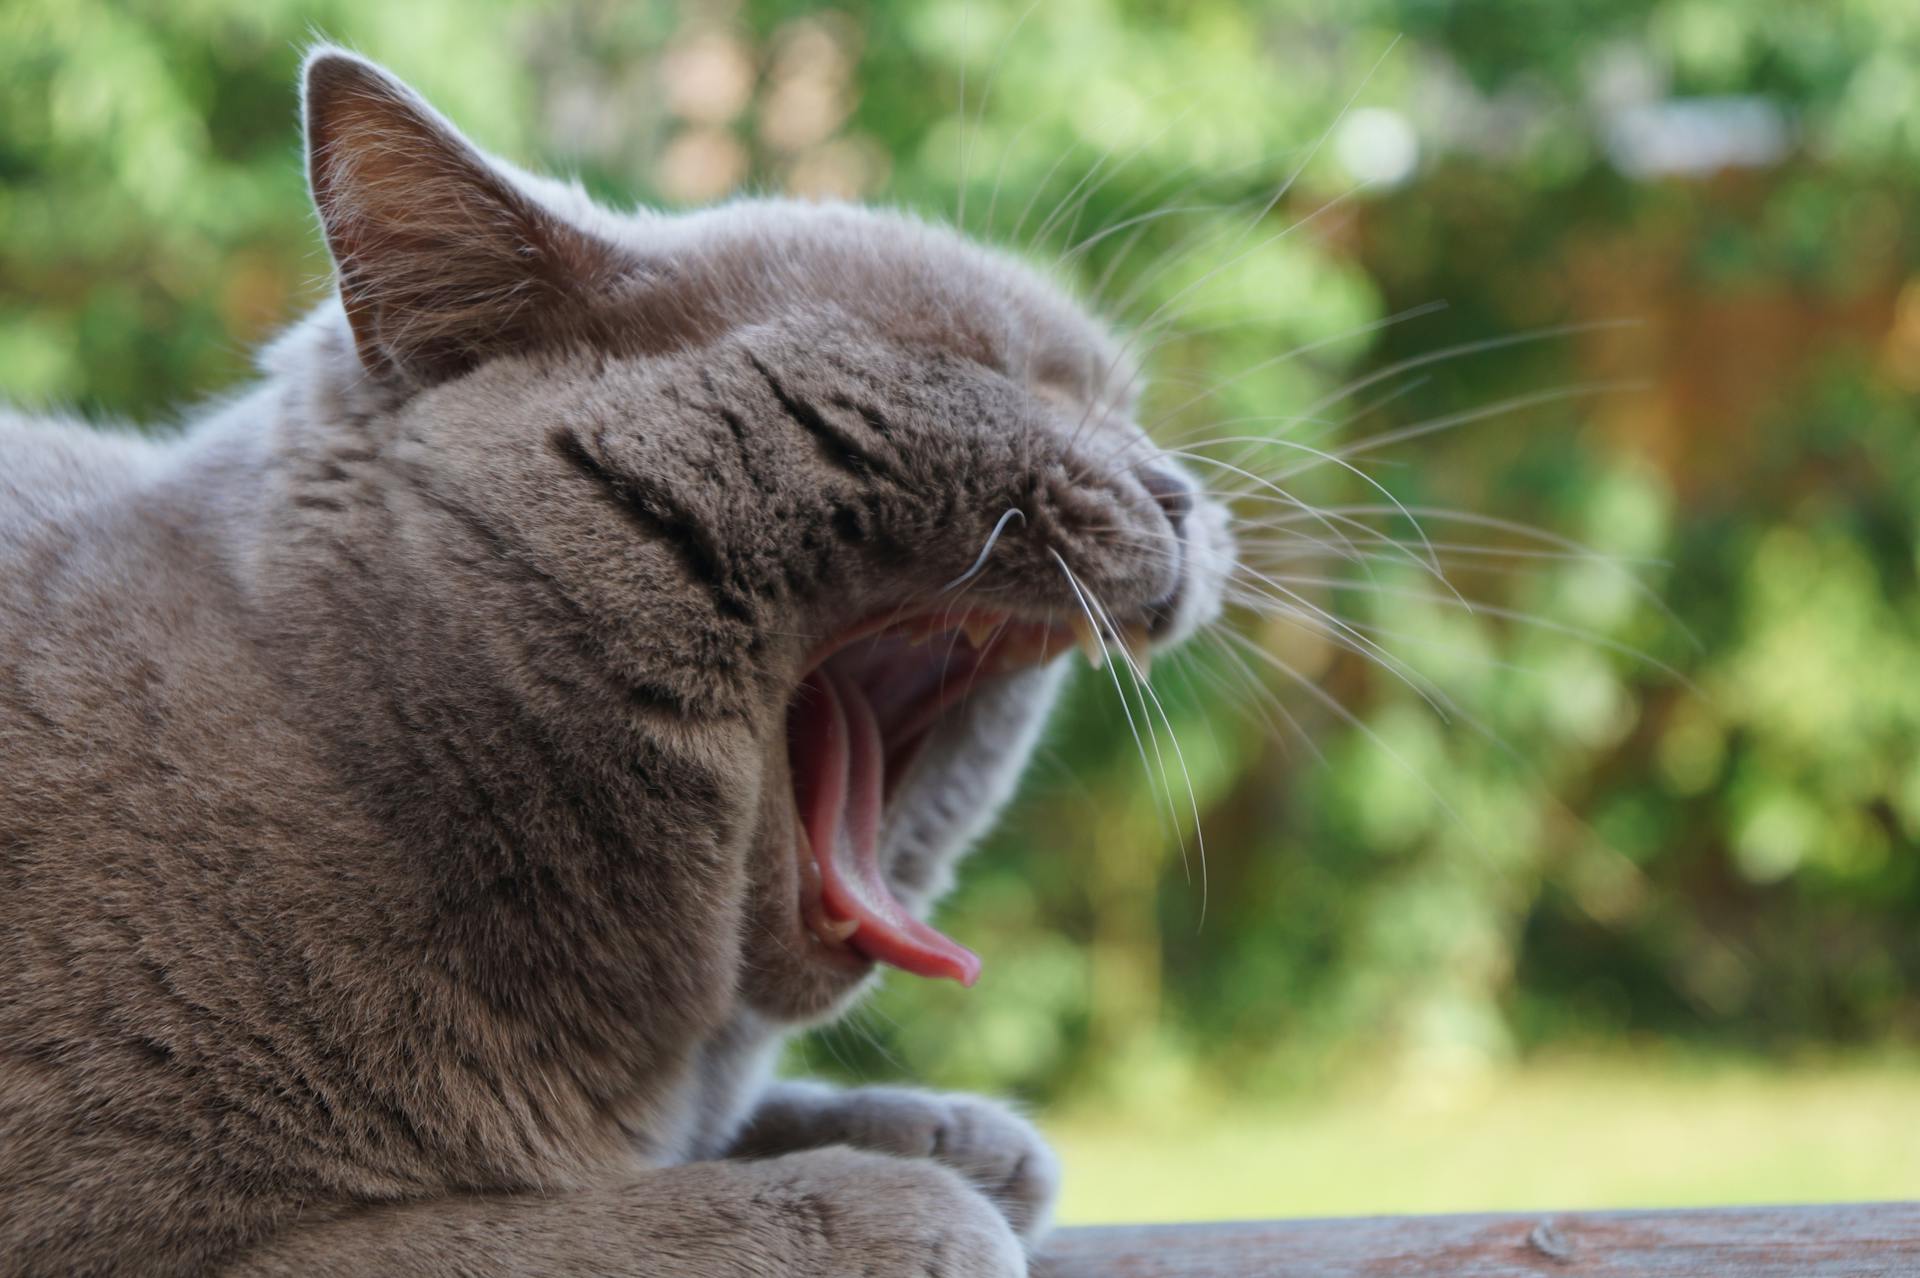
817	497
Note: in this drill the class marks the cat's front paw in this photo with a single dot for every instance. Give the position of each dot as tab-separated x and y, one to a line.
999	1152
882	1215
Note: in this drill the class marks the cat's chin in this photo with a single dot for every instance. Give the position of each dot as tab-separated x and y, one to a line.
869	703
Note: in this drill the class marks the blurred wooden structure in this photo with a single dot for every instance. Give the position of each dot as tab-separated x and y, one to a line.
1855	1241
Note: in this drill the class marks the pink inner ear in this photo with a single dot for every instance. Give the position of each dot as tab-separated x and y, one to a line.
442	260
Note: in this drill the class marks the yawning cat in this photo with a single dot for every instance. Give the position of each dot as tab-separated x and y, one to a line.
435	781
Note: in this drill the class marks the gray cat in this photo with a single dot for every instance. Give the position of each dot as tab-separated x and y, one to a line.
435	782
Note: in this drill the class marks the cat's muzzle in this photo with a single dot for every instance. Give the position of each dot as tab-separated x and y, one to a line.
866	705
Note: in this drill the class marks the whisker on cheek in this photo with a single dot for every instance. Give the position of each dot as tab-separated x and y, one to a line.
980	562
1144	690
1094	622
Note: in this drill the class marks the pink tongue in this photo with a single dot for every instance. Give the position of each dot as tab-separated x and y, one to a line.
840	786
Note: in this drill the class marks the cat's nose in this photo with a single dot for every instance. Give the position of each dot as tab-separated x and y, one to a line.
1172	490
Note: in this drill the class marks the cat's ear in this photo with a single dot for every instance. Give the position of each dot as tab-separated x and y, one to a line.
442	260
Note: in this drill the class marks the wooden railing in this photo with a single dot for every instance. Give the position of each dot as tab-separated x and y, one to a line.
1879	1240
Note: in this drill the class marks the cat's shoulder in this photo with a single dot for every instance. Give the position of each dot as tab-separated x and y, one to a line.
50	466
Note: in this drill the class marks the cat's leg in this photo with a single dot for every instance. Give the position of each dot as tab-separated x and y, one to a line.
998	1151
827	1213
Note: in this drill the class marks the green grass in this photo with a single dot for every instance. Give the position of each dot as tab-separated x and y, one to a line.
1547	1137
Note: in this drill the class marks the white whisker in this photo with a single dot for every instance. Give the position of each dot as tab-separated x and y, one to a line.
1146	693
1107	661
980	562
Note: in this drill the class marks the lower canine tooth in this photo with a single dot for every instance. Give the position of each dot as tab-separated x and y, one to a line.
833	931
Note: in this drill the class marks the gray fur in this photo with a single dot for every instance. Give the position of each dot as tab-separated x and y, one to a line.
395	842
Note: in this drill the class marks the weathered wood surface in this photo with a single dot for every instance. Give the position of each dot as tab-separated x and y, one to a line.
1865	1241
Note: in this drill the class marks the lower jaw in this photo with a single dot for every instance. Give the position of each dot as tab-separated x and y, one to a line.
788	977
785	974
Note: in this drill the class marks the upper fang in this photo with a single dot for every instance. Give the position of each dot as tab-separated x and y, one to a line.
980	628
1089	640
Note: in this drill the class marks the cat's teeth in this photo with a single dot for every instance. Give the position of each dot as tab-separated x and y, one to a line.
1138	643
830	930
980	628
1089	641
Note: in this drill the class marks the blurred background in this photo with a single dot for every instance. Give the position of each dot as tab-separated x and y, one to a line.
1561	807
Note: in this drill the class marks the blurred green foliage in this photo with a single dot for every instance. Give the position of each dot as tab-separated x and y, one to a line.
1663	789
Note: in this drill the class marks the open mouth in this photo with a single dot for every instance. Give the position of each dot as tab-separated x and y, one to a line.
866	705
